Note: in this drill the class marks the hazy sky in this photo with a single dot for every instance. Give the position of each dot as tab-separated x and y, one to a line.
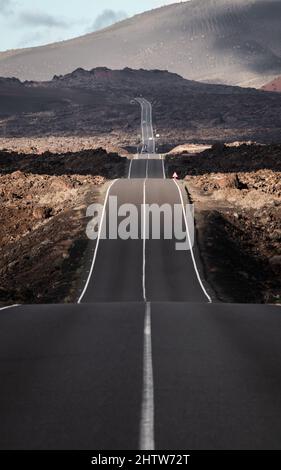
26	23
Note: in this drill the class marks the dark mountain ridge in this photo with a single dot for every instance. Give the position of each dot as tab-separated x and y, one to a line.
100	103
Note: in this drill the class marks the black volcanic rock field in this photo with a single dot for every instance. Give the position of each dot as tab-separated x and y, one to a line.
97	103
43	243
237	195
227	41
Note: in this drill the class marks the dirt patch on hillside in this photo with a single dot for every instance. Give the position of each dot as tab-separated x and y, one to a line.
237	196
43	220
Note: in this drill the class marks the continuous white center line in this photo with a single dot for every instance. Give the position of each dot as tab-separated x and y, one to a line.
147	440
97	243
190	245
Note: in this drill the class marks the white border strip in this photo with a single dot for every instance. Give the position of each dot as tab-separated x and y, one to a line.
97	243
190	245
144	243
164	173
139	100
9	306
147	439
130	169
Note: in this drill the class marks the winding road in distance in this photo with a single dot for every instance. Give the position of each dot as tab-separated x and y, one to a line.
147	359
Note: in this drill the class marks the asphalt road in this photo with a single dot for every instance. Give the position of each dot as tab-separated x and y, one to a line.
148	140
71	376
147	359
169	274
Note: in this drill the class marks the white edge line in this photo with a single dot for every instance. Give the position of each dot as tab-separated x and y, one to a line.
144	243
164	173
190	245
143	127
97	243
130	169
151	124
147	439
139	100
9	306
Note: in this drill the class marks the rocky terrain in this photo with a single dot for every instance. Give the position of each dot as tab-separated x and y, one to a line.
58	145
43	245
274	85
220	41
237	195
97	106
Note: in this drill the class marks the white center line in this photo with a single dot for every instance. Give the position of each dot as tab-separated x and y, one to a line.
147	440
190	245
97	243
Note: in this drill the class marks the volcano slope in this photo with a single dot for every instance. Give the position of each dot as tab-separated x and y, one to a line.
274	85
237	42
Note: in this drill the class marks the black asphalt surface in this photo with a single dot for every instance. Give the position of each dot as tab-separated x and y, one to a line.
147	166
118	270
217	376
71	376
117	274
148	140
170	274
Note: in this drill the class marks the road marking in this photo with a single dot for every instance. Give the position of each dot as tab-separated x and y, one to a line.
130	170
146	125
97	243
146	170
163	166
190	246
142	119
150	130
144	242
139	100
10	306
147	439
151	126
